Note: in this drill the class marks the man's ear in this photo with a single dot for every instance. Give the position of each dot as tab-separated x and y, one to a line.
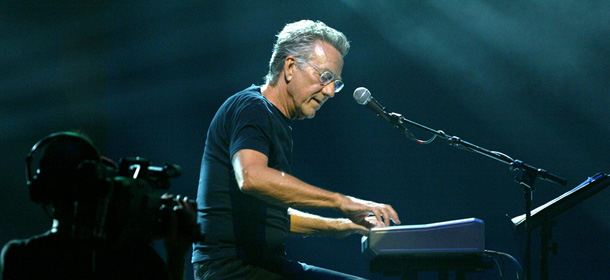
290	64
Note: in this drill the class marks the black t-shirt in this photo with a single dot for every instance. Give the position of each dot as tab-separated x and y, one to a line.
236	224
53	256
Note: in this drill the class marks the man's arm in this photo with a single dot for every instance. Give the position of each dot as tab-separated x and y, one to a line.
306	224
255	178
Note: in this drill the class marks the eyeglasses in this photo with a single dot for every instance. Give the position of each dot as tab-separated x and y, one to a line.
326	77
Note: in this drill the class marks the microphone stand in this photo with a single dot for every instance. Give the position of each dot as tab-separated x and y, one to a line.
526	178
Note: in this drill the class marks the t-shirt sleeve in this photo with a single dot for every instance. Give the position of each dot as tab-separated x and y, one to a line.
251	127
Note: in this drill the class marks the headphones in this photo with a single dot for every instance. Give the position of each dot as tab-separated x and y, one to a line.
60	167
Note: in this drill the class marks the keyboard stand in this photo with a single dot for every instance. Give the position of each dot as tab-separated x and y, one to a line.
409	267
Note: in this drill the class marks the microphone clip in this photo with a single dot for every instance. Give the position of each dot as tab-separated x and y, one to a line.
396	119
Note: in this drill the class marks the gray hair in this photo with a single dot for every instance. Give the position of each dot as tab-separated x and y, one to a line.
297	39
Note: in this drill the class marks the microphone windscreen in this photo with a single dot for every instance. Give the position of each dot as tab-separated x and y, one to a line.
362	95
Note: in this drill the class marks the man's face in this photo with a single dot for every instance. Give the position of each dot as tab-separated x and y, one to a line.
308	94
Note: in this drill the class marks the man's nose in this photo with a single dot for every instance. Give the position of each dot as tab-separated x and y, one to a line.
329	90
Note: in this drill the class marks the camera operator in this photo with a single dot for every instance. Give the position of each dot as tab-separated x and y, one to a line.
79	191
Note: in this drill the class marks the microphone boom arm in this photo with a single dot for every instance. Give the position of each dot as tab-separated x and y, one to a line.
398	122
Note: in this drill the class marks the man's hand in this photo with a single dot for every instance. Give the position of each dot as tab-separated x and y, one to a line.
358	210
180	234
345	227
181	224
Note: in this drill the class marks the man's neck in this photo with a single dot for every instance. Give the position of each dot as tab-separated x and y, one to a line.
274	93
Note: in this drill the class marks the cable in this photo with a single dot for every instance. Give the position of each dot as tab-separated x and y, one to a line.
398	120
505	255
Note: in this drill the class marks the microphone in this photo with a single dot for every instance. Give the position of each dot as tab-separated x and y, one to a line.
363	97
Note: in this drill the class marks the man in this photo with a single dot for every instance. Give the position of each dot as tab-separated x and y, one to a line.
86	241
247	198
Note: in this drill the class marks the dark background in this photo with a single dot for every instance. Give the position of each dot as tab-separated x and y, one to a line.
144	78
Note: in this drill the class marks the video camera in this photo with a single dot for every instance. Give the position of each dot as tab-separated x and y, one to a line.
136	209
114	203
